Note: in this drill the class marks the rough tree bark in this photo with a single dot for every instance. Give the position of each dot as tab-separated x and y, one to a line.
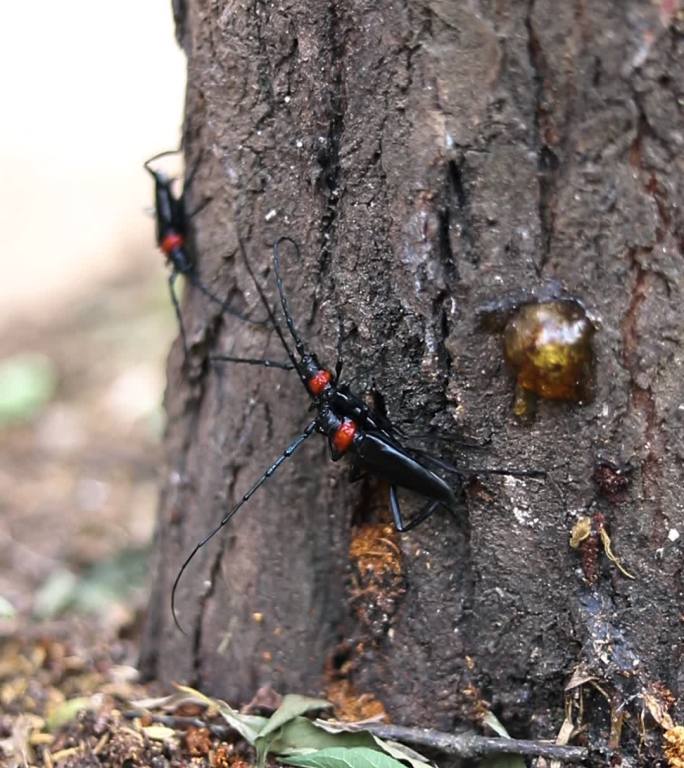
431	155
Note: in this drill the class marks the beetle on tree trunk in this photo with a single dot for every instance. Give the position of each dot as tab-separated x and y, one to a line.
430	156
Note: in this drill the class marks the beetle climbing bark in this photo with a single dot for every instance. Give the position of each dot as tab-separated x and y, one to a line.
430	156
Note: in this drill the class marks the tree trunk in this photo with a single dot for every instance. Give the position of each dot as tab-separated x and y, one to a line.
429	157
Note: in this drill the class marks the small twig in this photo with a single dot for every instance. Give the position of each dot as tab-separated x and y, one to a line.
470	744
178	722
465	744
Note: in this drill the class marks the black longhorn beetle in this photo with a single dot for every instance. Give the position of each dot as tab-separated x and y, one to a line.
172	229
351	427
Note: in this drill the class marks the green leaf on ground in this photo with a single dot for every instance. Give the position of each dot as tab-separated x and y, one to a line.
393	748
291	736
7	610
55	595
402	752
503	761
292	707
111	580
495	724
248	726
103	584
301	736
339	757
66	711
27	383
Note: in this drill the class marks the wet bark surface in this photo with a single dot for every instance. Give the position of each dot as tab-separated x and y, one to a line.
430	157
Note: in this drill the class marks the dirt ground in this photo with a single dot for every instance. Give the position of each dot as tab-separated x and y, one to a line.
78	491
78	471
67	698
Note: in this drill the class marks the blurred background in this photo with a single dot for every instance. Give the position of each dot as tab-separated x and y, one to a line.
89	91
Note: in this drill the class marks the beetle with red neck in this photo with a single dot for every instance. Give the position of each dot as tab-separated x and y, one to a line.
352	429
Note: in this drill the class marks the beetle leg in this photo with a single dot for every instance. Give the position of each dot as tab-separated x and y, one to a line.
340	359
334	455
179	316
399	523
285	366
472	471
199	208
187	181
355	473
223	303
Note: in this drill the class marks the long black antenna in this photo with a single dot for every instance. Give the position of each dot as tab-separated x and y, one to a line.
223	303
260	361
299	344
271	315
165	153
291	448
426	457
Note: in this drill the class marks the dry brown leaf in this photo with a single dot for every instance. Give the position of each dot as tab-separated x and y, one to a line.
658	710
674	746
580	676
158	732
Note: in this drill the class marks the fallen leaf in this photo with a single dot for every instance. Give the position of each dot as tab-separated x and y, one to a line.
18	745
495	724
248	726
7	610
27	383
403	753
392	748
339	757
674	746
55	595
293	705
580	676
301	736
66	711
159	732
503	761
658	710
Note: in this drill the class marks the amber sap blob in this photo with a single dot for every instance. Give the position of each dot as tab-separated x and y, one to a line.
548	345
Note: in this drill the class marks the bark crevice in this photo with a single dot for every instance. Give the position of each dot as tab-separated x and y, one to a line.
336	107
546	160
197	637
